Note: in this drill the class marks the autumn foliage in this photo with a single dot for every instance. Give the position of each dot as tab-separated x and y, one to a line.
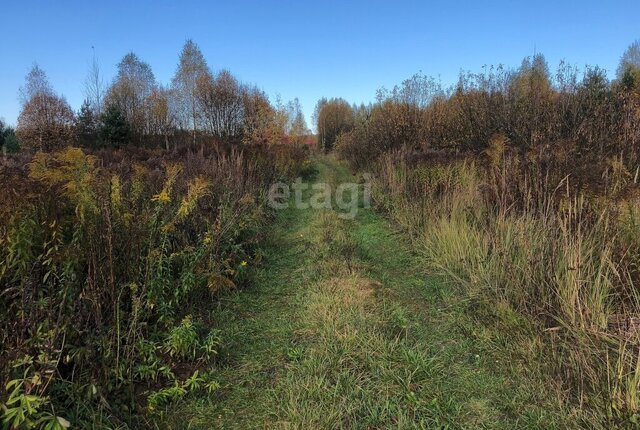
106	252
46	122
198	106
522	187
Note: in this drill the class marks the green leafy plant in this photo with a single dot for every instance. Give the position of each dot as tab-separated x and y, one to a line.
24	410
399	320
211	344
194	382
166	395
182	341
295	353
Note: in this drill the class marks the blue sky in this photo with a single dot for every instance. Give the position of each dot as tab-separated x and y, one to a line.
306	49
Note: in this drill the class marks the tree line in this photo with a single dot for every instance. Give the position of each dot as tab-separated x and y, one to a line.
196	105
570	113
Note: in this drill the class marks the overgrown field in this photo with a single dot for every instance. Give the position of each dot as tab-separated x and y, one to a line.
109	261
522	187
572	270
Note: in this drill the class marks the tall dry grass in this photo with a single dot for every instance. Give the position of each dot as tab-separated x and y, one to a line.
561	257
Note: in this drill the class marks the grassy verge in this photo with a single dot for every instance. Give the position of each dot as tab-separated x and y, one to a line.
343	329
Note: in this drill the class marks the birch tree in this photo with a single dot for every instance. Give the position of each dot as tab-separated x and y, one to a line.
192	67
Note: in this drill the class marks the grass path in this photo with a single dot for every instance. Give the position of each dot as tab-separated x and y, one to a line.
342	328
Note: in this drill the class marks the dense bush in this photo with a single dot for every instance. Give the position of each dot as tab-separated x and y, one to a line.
108	260
542	117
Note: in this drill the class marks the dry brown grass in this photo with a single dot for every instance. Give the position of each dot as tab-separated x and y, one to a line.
558	258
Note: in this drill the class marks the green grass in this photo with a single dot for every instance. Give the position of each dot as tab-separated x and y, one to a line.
341	328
